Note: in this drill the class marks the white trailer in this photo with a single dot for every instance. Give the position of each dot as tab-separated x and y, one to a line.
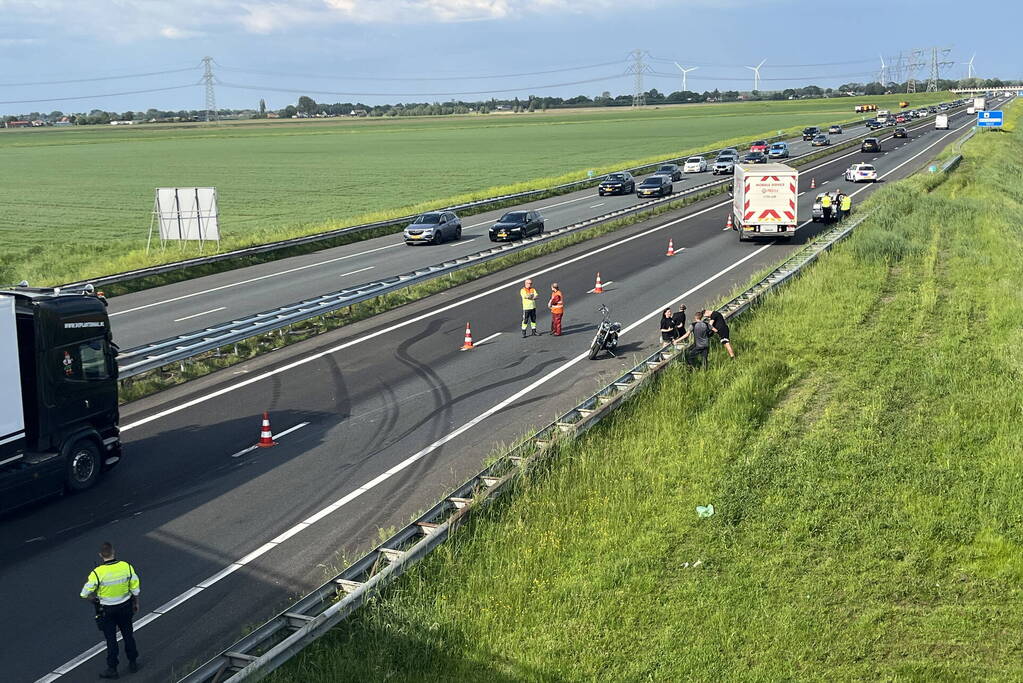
764	200
12	413
979	104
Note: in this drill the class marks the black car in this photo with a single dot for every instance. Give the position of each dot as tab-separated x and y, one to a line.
900	133
515	225
670	170
755	158
874	124
870	145
655	186
617	183
810	132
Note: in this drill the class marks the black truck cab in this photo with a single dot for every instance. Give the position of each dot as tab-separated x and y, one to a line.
64	385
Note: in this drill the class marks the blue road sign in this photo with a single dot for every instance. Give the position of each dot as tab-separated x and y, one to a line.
989	119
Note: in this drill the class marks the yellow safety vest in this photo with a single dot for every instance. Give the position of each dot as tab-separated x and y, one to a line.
528	303
826	201
113	582
846	202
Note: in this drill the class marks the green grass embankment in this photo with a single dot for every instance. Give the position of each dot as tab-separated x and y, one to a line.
863	455
77	201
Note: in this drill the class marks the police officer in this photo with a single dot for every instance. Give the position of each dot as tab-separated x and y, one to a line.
826	206
114	588
845	206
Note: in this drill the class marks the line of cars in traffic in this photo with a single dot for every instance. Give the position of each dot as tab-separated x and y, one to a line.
435	227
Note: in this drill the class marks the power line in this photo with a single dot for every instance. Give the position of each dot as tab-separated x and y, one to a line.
335	93
637	68
93	97
99	78
347	77
778	66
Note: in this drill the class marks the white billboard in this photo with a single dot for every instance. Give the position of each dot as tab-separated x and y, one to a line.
186	214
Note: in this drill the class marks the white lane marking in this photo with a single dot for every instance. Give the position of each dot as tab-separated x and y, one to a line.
602	284
486	339
289	430
253	447
254	279
596	205
196	315
298	528
360	270
824	182
411	321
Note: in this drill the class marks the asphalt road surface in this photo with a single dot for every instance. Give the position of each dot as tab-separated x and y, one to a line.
385	417
191	305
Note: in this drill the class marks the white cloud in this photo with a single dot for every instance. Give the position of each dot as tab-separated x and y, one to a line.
130	20
175	33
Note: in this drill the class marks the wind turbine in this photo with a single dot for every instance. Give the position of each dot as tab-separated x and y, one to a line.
969	66
685	72
756	73
881	79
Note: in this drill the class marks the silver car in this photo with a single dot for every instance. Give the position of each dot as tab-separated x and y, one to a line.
725	163
433	228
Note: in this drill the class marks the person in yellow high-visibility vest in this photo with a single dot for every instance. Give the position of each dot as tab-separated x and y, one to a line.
114	589
845	205
528	296
826	207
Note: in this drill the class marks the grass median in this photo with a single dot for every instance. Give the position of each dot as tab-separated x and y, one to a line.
862	457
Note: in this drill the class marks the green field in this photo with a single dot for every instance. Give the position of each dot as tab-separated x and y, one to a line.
863	458
76	202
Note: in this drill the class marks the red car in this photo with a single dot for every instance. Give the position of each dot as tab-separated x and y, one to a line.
900	119
759	146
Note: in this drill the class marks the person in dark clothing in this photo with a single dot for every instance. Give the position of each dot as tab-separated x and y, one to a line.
680	322
696	354
719	326
668	329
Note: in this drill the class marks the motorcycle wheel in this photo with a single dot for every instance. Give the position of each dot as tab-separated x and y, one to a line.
595	348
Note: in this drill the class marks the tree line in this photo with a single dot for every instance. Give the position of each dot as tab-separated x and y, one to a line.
307	107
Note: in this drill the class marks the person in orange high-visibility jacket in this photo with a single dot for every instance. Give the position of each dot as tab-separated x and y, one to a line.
557	306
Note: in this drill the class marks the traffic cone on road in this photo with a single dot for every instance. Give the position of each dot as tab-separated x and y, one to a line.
266	437
813	183
467	346
728	223
598	288
671	247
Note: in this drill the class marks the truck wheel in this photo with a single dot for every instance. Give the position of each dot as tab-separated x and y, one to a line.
83	465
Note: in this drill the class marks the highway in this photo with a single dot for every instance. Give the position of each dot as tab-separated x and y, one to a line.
163	312
382	418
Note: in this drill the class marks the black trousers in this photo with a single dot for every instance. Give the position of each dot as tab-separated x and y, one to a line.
529	316
119	617
697	357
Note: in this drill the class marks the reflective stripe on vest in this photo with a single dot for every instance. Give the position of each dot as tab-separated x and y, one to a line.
527	303
112	583
846	203
557	303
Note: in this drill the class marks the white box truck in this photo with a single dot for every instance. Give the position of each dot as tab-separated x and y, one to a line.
941	122
979	104
764	199
58	404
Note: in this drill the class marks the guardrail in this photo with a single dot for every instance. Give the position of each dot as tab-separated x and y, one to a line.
955	160
278	640
340	232
151	356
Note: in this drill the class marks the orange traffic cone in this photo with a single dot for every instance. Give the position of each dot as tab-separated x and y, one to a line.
266	437
467	346
598	288
671	247
813	183
728	224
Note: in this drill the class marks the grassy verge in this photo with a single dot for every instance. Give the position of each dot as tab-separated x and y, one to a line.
281	181
862	457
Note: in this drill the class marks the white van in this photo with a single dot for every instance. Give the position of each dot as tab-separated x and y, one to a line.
941	122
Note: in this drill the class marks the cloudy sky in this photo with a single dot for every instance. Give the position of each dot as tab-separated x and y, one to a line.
69	54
